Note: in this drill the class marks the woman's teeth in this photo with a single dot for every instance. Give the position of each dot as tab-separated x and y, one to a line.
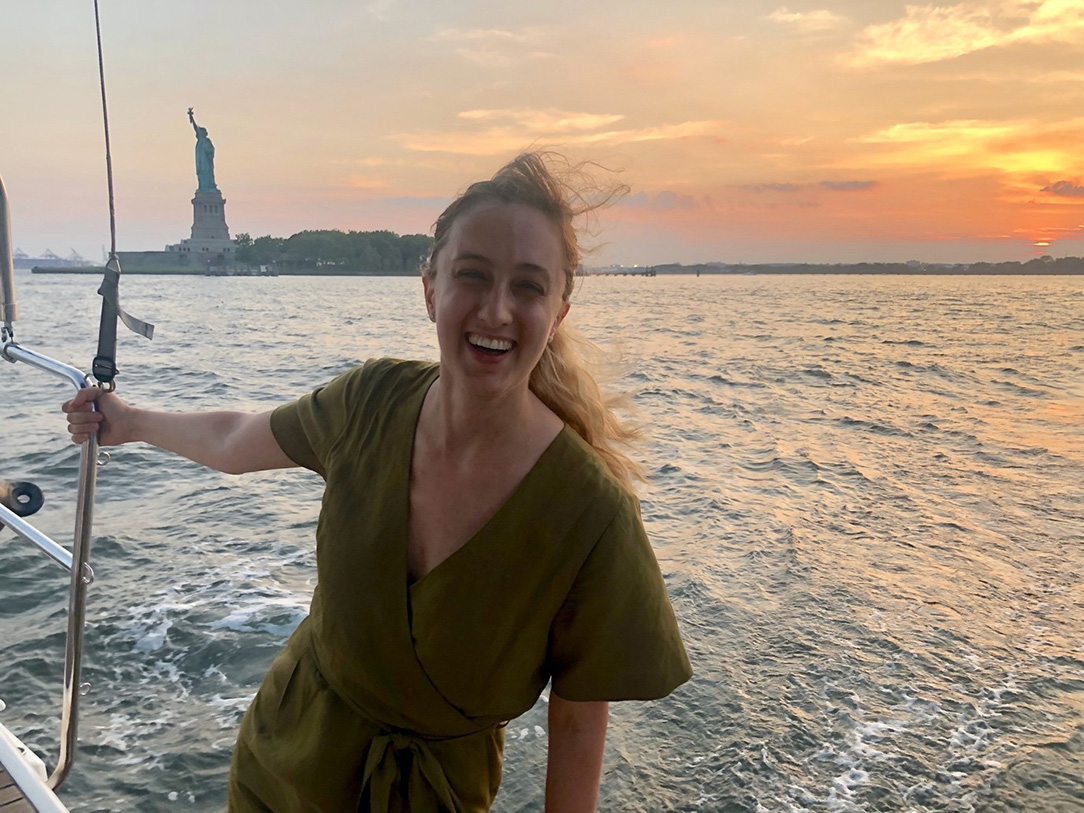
486	343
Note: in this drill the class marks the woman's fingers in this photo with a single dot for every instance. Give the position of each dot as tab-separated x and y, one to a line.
82	421
81	425
82	399
75	418
109	421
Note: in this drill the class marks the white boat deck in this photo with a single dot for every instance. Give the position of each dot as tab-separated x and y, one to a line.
11	798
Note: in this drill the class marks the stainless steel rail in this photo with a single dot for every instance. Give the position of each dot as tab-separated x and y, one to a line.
78	561
10	351
58	553
9	310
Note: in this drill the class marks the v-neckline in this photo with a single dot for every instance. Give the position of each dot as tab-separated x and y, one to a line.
416	414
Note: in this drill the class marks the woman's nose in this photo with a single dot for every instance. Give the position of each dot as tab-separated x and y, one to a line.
497	307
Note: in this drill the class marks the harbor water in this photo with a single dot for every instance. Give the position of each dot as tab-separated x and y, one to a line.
865	495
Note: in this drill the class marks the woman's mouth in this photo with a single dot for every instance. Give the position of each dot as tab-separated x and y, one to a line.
489	345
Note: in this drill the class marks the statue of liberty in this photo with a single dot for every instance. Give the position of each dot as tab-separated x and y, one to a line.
205	157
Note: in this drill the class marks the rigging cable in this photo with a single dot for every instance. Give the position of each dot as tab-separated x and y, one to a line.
104	367
108	154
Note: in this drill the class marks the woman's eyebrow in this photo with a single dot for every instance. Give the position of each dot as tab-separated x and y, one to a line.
533	268
471	256
467	255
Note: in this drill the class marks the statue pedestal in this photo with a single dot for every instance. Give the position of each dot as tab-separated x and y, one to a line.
210	244
209	216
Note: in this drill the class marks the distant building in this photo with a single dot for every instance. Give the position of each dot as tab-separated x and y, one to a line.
74	260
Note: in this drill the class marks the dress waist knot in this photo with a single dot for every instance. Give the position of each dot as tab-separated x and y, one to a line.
401	766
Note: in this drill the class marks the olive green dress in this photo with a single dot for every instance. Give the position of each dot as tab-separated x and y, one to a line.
392	695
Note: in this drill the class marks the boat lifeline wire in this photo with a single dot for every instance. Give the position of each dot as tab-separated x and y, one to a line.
104	367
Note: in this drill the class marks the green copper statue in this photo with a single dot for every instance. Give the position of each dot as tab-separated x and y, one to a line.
205	157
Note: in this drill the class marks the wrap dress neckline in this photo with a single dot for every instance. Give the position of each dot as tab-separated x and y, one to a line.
437	574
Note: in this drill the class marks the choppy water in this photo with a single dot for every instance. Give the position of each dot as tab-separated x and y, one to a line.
866	495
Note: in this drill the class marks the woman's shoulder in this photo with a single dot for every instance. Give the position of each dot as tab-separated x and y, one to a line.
360	388
385	375
588	473
388	368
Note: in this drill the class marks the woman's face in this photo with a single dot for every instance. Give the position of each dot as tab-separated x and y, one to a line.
496	295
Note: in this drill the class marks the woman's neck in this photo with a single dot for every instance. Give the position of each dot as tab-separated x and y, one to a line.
458	423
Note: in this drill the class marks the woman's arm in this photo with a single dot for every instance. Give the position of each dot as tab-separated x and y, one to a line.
576	737
231	442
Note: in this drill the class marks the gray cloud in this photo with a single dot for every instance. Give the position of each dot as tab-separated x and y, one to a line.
380	8
833	186
425	202
1066	189
847	186
662	201
773	187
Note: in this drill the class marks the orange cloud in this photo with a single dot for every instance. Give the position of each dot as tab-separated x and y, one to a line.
497	47
663	42
550	120
809	21
935	33
522	36
1013	147
529	127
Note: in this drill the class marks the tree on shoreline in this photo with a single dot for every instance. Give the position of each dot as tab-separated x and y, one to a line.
1044	265
369	252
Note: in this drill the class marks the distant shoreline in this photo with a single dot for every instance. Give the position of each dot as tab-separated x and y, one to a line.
857	269
1042	266
198	272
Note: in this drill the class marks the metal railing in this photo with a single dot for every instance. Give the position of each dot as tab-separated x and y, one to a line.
77	562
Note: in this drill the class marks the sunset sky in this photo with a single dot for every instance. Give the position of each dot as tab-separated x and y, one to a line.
755	131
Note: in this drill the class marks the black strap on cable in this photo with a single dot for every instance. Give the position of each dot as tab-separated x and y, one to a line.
105	363
104	367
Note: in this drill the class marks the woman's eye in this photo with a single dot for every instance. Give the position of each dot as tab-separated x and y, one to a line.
468	273
532	287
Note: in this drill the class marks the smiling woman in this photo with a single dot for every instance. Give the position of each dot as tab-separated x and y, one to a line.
477	540
559	379
495	294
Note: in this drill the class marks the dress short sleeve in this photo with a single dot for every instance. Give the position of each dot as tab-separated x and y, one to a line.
307	428
615	636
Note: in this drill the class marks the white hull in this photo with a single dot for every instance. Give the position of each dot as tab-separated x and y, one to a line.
27	770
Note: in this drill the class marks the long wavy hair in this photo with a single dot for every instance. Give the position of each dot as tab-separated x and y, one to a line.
566	377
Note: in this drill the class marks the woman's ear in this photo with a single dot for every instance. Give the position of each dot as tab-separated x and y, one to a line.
429	307
561	314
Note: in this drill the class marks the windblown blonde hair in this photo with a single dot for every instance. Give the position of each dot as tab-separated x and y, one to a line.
565	377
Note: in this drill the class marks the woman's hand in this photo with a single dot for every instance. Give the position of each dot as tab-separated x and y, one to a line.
111	423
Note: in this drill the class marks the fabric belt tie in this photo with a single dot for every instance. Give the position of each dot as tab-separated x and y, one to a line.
382	774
